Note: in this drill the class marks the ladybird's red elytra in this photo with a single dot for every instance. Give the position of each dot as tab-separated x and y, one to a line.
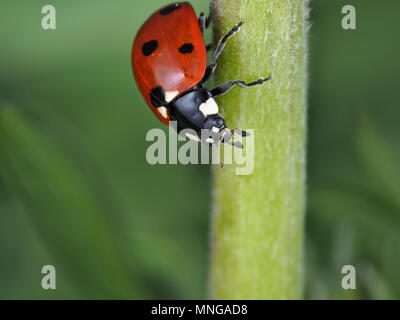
169	61
169	52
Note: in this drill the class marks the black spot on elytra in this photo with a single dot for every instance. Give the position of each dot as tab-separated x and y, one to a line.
157	97
149	47
171	8
186	48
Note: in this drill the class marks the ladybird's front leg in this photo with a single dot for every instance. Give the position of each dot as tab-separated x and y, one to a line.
209	72
225	87
204	22
241	132
220	47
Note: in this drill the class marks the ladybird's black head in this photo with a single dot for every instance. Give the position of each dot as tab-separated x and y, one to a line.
219	132
214	121
198	110
215	124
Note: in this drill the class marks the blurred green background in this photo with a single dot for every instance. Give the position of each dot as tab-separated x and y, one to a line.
76	191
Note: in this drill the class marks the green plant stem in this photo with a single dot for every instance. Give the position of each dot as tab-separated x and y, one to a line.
257	220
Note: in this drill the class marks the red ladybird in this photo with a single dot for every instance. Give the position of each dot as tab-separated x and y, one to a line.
169	61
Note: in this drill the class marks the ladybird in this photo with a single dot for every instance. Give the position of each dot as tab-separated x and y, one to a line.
169	62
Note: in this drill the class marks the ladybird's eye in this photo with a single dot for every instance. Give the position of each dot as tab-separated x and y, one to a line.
186	48
149	47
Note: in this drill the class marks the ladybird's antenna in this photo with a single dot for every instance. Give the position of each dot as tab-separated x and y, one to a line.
236	144
241	132
226	137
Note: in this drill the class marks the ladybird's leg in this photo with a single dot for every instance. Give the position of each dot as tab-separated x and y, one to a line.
209	72
202	22
220	47
241	132
225	87
235	144
222	42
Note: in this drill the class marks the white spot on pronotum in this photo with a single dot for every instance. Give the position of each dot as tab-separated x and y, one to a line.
209	107
170	95
215	129
163	111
